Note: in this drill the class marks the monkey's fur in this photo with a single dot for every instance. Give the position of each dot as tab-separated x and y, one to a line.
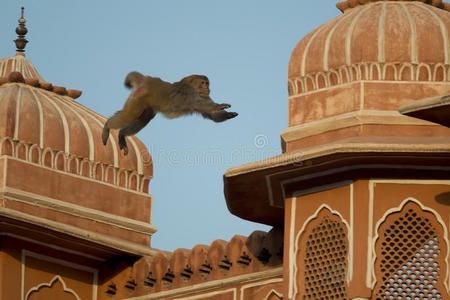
151	95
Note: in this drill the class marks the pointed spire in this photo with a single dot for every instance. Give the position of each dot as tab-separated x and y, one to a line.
21	30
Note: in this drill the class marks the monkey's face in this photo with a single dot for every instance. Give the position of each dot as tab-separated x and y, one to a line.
203	87
200	83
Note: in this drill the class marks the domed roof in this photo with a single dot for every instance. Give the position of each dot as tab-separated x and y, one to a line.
374	40
19	63
43	124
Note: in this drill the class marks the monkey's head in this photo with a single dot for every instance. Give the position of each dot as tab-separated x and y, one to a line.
200	83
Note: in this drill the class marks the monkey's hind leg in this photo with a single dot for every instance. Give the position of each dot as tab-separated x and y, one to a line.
105	134
120	119
135	127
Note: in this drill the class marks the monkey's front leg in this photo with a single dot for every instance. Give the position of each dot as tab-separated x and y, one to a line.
224	106
205	105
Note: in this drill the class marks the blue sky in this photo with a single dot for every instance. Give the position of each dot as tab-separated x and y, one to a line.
243	47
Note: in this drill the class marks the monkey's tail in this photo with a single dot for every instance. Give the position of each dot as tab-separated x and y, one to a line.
133	79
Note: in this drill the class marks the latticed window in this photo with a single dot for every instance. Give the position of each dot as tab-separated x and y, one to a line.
322	258
410	256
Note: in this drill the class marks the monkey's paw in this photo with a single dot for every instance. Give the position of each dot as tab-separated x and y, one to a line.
222	115
224	106
231	115
105	135
123	144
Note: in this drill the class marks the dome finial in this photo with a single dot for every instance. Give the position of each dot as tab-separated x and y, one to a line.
21	30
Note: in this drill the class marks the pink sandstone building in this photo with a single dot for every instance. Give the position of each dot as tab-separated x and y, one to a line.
359	200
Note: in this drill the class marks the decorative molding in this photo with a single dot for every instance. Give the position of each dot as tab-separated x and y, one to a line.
373	71
87	129
71	164
442	26
222	283
299	158
273	292
51	246
115	243
77	210
215	293
251	285
306	50
348	36
292	248
49	285
370	250
41	118
27	253
18	115
350	119
381	29
65	124
350	233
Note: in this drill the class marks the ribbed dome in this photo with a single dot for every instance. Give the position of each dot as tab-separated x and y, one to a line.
378	40
43	124
21	64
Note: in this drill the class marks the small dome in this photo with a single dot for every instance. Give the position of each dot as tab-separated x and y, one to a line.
21	64
43	124
374	40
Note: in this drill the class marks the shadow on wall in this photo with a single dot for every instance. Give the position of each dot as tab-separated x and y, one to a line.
267	246
443	198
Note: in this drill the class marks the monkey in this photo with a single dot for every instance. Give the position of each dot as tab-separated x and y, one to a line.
151	95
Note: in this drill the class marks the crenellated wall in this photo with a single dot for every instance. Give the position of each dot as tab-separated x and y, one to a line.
239	269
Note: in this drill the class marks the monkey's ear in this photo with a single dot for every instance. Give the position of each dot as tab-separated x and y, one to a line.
139	92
